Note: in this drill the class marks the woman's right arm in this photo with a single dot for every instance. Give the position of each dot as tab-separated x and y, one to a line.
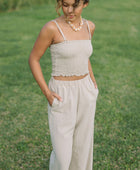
44	40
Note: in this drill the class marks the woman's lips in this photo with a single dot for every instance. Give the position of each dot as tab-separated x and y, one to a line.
70	16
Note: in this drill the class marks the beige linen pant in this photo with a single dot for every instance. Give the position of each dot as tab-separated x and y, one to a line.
71	124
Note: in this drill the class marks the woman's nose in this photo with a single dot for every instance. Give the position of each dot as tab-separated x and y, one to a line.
70	9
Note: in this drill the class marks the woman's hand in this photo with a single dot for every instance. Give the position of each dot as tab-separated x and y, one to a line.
51	97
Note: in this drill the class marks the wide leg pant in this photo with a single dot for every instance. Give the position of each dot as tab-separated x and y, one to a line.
71	124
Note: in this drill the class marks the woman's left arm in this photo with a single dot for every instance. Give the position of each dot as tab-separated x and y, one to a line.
91	74
92	29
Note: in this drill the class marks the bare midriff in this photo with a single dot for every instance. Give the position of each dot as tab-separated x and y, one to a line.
69	78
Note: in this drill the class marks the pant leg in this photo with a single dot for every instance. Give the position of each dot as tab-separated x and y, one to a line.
62	117
71	125
82	151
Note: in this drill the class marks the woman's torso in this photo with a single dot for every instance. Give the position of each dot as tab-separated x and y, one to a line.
66	39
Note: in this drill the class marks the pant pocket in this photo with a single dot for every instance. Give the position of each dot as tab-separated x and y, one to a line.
54	101
60	106
92	87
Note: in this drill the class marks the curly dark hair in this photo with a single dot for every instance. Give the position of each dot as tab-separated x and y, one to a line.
59	4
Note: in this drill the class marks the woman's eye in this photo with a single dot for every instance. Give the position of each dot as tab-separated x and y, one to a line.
65	5
75	6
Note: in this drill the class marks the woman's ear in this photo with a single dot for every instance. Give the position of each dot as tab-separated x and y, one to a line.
85	5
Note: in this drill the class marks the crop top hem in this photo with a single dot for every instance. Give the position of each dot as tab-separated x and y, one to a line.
69	74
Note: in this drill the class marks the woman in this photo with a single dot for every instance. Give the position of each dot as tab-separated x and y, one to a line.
72	90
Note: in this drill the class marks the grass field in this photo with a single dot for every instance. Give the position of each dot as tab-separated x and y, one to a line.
24	133
10	5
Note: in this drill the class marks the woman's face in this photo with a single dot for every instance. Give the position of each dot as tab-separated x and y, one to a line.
72	11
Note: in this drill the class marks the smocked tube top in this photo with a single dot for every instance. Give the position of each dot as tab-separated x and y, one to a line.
70	57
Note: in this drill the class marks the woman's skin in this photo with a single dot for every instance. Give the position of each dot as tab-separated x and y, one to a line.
50	34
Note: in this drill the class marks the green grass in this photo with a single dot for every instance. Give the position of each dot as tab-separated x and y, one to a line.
24	133
10	5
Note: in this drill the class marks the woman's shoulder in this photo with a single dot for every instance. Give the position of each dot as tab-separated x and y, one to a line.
91	26
49	26
48	30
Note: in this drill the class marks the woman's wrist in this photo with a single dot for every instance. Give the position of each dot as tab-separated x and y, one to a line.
94	81
95	84
46	92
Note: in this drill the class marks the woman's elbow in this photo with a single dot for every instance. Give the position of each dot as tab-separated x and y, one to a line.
31	60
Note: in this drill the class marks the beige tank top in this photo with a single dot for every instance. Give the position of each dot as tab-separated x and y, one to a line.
70	57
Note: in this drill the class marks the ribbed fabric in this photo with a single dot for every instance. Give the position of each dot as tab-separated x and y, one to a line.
70	57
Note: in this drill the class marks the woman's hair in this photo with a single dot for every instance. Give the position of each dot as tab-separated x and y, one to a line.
59	4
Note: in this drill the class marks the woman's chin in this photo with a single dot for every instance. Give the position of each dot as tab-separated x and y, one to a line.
70	18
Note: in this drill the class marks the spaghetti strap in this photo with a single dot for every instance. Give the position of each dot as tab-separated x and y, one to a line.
60	30
88	29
